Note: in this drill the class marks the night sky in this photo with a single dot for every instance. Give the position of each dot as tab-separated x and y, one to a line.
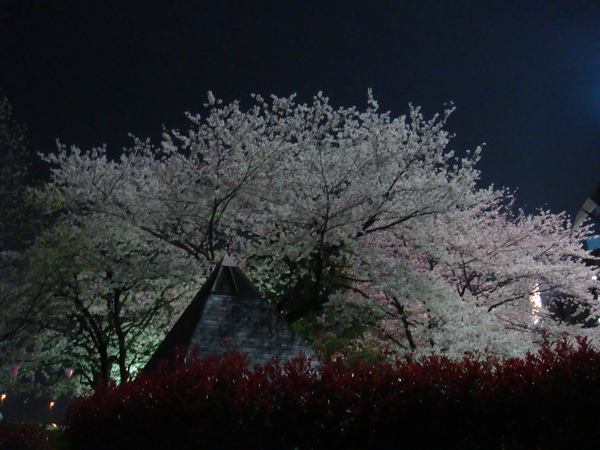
524	75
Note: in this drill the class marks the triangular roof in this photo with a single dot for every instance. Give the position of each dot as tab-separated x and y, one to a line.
229	309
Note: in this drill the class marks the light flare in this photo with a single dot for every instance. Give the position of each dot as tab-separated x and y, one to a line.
535	298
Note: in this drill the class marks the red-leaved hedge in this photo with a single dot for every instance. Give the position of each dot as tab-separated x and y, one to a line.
550	399
23	437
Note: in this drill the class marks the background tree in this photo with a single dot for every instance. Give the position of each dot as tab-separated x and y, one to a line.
19	216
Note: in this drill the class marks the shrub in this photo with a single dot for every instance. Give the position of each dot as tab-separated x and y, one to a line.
544	400
23	437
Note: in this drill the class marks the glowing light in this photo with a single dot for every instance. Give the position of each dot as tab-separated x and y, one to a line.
51	405
535	298
2	398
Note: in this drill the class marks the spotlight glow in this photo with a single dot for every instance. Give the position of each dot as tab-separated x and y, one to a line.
535	298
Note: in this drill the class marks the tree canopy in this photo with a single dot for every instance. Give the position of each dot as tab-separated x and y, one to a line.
357	225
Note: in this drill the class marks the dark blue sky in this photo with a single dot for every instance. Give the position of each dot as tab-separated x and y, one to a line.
524	75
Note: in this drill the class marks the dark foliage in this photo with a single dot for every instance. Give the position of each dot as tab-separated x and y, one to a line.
17	212
23	437
550	399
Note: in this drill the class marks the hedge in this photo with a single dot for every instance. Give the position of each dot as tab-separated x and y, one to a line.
24	436
549	399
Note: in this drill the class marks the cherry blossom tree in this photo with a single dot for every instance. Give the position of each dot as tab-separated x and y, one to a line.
343	177
310	179
86	301
342	217
485	278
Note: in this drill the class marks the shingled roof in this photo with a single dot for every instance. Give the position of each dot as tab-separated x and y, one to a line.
230	309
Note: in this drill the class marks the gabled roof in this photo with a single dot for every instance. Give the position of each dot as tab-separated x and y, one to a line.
229	309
